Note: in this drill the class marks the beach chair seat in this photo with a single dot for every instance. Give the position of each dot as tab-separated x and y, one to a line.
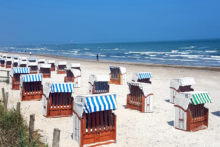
190	113
94	122
98	84
57	100
45	70
143	77
31	87
14	79
16	57
14	63
180	85
140	97
52	62
73	76
117	75
9	57
60	67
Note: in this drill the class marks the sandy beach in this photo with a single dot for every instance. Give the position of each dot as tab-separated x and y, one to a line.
133	128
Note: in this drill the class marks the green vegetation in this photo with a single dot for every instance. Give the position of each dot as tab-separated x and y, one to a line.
14	130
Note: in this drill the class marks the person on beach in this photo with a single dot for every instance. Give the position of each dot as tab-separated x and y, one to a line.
97	57
30	53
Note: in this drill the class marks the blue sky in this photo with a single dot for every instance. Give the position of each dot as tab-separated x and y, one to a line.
100	21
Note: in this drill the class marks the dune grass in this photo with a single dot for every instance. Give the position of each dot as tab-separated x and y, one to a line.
14	130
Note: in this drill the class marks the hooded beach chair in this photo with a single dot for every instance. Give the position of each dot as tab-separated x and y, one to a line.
98	84
60	67
45	70
140	97
4	56
75	66
41	61
34	67
93	119
52	62
8	62
9	57
16	57
32	59
2	61
31	87
14	79
23	59
14	63
73	76
143	77
57	99
190	113
23	63
117	75
180	85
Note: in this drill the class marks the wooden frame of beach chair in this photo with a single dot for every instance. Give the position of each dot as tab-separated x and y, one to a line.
190	113
75	66
92	126
60	67
52	62
180	85
57	100
73	76
31	87
34	67
8	63
117	75
98	84
2	62
45	70
140	97
14	79
143	77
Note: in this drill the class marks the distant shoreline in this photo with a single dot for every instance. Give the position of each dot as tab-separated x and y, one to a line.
211	68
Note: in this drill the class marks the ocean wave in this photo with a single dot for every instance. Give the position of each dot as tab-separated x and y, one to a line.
74	51
133	57
153	55
115	49
118	56
188	56
102	55
187	47
210	51
174	51
86	49
215	56
188	60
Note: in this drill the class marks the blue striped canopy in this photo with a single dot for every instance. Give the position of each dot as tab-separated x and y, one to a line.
62	87
144	75
100	103
2	59
32	78
31	59
21	70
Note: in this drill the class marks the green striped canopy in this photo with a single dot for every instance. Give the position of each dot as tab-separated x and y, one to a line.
200	98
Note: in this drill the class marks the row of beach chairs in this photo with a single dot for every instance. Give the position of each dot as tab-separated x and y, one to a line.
93	117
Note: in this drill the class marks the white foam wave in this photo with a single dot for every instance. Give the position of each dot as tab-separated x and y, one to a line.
210	51
74	51
102	55
188	60
133	57
86	49
118	56
153	55
175	51
187	47
215	56
115	49
188	56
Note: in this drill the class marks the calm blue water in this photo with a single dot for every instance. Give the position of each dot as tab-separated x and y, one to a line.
196	52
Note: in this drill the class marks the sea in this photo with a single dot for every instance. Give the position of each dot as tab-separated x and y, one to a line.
189	52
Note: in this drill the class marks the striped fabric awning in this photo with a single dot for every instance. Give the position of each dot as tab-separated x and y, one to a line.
200	98
62	87
21	70
144	75
3	59
32	78
32	59
100	103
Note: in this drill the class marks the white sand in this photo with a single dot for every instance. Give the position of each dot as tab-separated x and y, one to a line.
134	128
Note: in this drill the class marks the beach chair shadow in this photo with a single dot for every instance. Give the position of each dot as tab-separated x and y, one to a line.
168	101
170	123
216	113
124	106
